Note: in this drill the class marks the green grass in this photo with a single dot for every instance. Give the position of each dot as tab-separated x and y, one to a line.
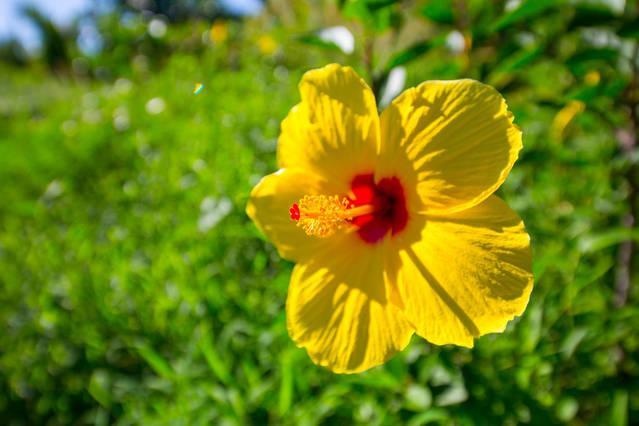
134	289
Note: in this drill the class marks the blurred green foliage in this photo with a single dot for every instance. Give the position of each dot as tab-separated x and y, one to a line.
134	290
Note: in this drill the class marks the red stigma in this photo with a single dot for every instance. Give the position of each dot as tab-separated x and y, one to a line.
387	196
294	211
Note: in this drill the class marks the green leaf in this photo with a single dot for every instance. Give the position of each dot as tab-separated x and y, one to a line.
286	384
418	398
375	5
99	387
593	54
619	408
532	333
630	29
584	94
438	415
213	359
586	59
377	15
237	403
587	15
593	243
413	52
527	10
614	88
314	40
520	59
567	408
440	11
571	341
456	393
155	360
380	379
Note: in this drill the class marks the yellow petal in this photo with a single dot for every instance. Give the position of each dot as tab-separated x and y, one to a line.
468	275
334	131
453	141
338	308
268	208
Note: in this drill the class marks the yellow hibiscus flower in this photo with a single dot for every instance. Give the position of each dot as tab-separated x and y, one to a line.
391	218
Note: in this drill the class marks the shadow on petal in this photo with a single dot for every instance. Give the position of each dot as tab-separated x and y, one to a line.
443	294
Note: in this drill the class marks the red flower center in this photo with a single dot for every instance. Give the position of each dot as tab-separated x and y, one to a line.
389	207
373	208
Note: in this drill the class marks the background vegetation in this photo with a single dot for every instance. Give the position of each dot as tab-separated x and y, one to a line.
134	289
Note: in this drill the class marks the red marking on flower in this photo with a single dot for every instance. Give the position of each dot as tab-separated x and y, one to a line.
387	197
294	211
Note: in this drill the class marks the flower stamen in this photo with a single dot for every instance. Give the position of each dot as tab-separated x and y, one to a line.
322	215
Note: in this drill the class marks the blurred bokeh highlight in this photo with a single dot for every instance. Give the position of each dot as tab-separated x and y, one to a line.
134	289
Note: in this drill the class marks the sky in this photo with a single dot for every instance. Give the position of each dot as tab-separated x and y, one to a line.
62	12
242	7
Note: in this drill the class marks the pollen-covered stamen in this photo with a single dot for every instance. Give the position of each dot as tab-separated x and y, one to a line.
322	215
